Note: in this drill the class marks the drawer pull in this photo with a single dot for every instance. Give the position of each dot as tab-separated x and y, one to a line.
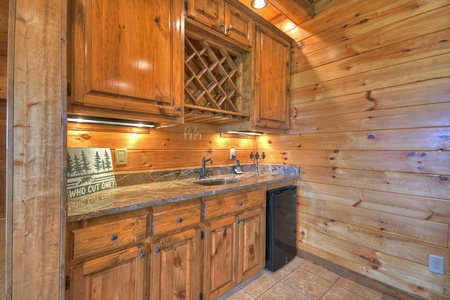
179	220
239	203
142	255
114	237
157	250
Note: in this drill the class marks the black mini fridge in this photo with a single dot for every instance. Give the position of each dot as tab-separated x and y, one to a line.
281	225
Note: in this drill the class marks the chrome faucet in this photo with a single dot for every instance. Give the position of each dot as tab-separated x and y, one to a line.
203	173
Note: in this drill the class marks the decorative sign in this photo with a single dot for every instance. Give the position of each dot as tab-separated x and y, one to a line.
89	170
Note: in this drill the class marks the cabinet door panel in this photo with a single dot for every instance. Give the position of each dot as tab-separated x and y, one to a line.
208	12
116	276
176	266
125	53
238	25
220	256
251	243
272	80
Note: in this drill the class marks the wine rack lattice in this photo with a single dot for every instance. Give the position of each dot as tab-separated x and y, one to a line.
212	81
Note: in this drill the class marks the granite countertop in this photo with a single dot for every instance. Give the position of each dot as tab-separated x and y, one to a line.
132	197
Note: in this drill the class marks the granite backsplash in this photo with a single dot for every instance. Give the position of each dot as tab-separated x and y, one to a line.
133	178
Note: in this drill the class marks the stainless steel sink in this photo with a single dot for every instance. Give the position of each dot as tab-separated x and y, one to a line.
217	181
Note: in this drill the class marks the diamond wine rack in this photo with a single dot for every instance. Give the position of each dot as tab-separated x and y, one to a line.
212	84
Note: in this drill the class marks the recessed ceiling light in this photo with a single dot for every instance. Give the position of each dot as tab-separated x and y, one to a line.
258	4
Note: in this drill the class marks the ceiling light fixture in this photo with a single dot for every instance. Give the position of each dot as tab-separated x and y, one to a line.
258	4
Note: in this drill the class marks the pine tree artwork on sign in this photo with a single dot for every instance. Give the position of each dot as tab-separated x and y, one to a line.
89	170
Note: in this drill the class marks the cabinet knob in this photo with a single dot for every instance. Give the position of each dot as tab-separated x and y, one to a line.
142	255
114	237
179	220
157	250
238	221
178	108
239	203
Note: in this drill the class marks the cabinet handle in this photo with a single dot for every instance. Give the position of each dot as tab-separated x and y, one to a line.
157	250
230	27
239	203
142	255
114	237
178	108
238	221
180	220
242	220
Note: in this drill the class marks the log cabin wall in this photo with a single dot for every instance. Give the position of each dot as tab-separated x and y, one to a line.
370	92
165	148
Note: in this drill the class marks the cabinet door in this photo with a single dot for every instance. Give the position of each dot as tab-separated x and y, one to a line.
251	243
220	257
116	276
176	266
207	12
238	25
127	56
272	80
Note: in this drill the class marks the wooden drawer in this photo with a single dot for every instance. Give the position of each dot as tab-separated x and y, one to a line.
169	219
233	204
99	238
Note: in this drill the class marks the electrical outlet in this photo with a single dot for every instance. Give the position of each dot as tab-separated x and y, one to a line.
436	264
121	157
232	154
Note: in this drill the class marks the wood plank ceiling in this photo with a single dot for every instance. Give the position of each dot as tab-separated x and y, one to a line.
285	14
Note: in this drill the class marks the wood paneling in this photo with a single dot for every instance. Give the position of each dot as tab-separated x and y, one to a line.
4	8
166	148
2	159
2	77
370	129
395	32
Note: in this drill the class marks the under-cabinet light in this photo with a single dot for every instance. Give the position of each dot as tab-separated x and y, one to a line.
245	132
258	4
116	122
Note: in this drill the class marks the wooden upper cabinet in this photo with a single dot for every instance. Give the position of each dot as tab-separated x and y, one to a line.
238	25
127	56
272	80
207	12
222	17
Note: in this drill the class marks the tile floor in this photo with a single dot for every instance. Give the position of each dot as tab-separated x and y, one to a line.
303	280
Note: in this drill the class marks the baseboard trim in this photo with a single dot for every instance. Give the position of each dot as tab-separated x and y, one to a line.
362	279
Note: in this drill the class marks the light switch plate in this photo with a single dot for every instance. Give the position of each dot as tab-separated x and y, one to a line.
232	154
121	157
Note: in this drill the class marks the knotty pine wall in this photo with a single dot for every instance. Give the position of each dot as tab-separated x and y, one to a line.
166	148
2	172
370	92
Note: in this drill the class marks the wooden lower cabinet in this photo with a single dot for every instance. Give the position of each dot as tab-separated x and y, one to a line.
176	266
234	251
197	249
252	243
220	256
119	275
